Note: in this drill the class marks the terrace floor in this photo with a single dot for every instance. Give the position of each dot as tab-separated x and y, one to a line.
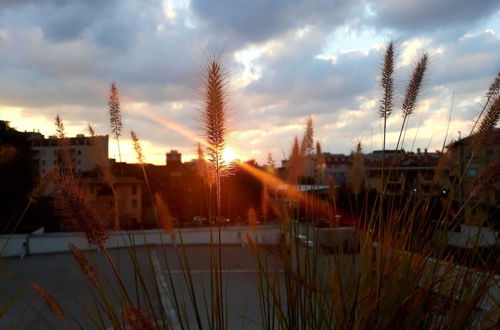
61	276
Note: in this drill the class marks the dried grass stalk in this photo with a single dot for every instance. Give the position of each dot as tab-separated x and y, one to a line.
77	212
164	215
136	319
50	301
88	270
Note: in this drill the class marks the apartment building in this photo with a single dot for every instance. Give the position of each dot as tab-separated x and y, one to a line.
84	152
460	153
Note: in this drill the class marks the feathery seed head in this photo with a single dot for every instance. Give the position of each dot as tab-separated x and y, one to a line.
79	215
137	147
48	178
494	89
91	131
215	112
59	128
414	86
307	146
115	115
488	122
489	180
295	163
387	82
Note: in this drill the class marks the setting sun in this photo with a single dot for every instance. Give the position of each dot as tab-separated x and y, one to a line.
229	154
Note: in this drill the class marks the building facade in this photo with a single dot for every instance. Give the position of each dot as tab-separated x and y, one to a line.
85	153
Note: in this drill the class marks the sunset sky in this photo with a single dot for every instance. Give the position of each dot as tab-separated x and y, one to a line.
287	60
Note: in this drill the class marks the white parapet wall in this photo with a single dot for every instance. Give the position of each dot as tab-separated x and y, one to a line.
41	243
13	245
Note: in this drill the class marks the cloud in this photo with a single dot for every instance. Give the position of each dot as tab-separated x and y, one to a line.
241	22
419	15
288	59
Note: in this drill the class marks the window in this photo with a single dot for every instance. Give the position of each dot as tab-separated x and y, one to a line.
134	203
134	190
79	162
489	152
79	152
472	171
43	162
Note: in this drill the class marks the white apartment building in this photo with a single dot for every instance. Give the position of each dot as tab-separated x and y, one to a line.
85	152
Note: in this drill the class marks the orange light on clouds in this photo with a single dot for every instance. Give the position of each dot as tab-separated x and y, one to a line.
229	153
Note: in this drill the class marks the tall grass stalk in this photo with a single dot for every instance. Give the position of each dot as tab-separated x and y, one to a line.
115	117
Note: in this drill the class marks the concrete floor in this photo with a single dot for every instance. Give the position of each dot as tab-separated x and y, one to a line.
61	276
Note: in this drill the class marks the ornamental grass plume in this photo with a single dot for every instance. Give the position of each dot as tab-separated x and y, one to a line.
115	116
214	115
74	206
63	143
102	162
494	89
387	84
357	171
50	301
486	125
88	269
490	95
412	92
107	176
414	86
46	180
295	163
164	216
488	181
137	147
320	164
137	319
307	146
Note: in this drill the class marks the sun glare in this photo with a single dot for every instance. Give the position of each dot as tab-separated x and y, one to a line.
229	155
